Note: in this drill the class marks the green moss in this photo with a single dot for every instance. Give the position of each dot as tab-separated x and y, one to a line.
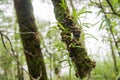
84	66
77	51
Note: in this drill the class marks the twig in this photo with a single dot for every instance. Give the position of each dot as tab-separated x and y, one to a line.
110	5
18	32
12	54
110	27
108	1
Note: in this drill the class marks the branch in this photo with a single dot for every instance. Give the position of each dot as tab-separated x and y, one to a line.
110	5
110	27
12	52
108	1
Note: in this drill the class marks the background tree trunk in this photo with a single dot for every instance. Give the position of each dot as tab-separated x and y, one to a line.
71	36
30	39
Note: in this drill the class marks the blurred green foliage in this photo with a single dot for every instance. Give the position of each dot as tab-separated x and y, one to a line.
54	51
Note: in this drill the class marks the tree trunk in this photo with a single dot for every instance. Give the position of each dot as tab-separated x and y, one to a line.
30	39
71	36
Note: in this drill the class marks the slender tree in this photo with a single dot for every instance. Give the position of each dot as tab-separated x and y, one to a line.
71	35
114	58
30	39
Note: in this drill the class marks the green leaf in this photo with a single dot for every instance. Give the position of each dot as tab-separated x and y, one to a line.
91	36
87	24
63	4
74	14
100	11
96	23
77	14
61	26
63	60
82	12
102	25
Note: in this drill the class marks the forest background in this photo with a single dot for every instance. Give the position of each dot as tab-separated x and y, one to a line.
99	20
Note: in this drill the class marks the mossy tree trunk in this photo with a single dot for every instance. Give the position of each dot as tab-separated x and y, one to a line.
30	39
71	36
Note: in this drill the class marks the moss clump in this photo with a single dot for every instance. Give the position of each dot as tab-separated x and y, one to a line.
71	35
83	65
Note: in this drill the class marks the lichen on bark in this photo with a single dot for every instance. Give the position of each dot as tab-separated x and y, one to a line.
71	37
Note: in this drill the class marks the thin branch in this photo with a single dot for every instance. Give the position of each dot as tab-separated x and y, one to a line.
17	32
110	5
108	12
108	1
12	54
110	27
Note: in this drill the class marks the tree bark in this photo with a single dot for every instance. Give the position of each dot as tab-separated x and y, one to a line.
71	35
30	39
